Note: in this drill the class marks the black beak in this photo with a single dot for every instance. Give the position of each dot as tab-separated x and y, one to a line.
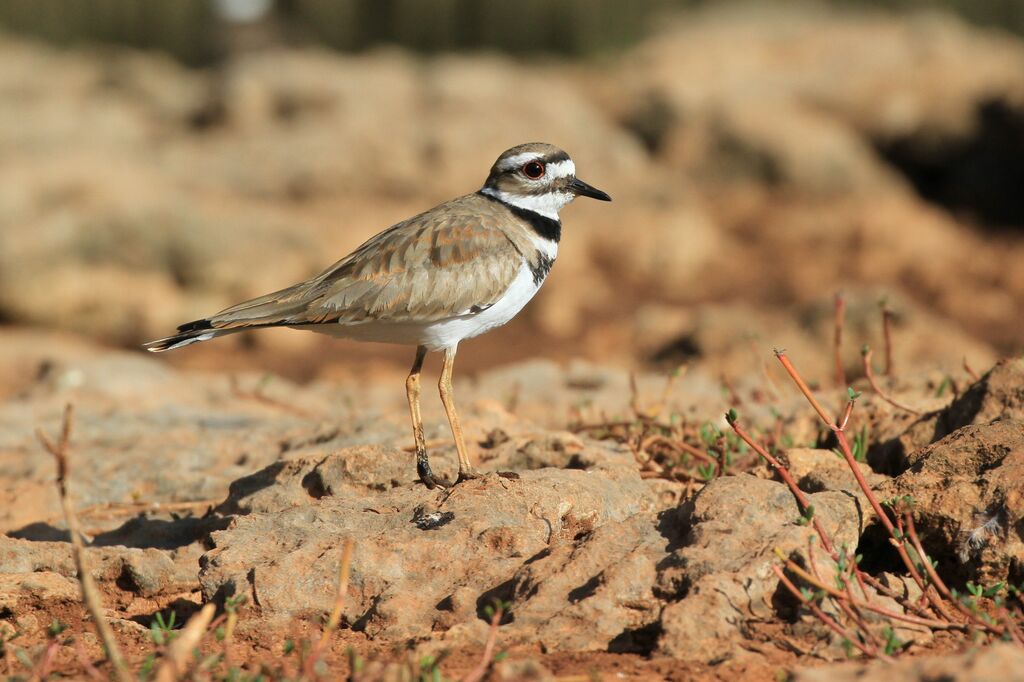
582	189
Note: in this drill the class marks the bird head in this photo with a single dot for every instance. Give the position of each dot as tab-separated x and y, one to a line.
538	177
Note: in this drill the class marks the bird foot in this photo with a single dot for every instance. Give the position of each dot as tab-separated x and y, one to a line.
467	475
427	476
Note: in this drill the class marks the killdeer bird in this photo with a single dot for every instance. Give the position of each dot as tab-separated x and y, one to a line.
451	273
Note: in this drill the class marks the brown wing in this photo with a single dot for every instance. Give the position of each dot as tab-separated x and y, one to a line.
447	261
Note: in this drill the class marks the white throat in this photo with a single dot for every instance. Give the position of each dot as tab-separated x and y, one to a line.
547	205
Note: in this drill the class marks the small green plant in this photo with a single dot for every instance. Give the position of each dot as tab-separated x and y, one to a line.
55	629
979	591
430	668
161	630
495	606
807	517
893	644
148	664
706	471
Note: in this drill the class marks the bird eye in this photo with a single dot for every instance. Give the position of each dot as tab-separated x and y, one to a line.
534	170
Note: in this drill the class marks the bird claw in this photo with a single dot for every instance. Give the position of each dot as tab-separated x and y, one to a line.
467	475
427	476
431	481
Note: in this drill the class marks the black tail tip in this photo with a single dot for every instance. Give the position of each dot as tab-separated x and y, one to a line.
179	340
195	326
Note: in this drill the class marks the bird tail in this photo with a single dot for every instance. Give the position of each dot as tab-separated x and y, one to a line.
192	332
273	310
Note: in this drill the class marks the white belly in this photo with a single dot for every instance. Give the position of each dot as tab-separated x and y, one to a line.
446	333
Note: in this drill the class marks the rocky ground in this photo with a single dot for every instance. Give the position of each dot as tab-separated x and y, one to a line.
750	186
198	487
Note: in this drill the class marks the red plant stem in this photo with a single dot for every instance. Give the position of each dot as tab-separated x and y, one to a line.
846	415
840	319
849	608
843	596
929	569
938	583
856	574
886	591
1011	626
844	447
869	373
677	445
849	604
721	457
478	673
970	371
42	669
826	619
900	545
801	498
800	384
887	334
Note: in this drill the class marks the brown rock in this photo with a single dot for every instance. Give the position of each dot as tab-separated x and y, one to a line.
145	572
997	395
819	470
607	574
968	492
19	591
286	556
721	576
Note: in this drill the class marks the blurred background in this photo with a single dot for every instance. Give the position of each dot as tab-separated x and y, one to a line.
162	159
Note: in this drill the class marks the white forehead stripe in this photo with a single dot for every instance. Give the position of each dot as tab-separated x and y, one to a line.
520	159
562	169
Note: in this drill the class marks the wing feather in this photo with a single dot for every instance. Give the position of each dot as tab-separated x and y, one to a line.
442	263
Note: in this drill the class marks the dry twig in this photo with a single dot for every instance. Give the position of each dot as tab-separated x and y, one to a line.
970	371
90	594
344	571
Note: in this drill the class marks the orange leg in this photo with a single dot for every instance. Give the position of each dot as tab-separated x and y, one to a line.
448	400
412	392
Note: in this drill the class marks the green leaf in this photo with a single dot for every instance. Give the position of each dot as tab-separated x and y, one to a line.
994	589
55	628
893	644
706	471
25	659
